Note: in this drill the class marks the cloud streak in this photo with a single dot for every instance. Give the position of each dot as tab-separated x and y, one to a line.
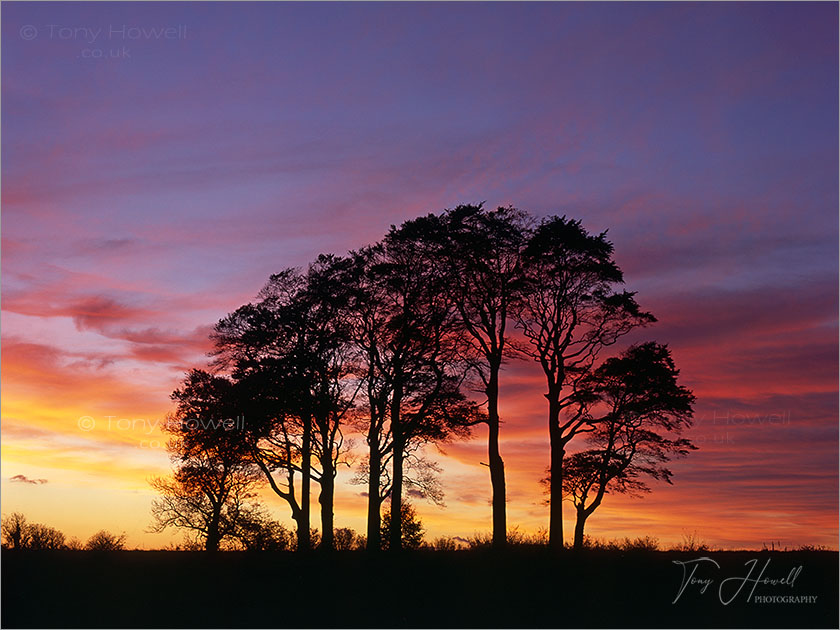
25	479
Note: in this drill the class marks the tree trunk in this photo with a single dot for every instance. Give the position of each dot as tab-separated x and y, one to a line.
304	535
211	543
579	523
374	519
326	500
497	466
395	543
555	526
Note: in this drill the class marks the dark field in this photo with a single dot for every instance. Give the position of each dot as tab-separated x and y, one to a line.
524	588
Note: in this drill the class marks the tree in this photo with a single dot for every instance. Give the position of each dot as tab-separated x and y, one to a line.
44	537
15	530
290	353
403	326
569	312
481	253
104	540
331	366
257	531
411	528
18	533
644	411
214	479
347	539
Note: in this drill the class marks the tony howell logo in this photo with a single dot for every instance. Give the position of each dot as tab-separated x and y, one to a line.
147	426
730	419
112	32
729	588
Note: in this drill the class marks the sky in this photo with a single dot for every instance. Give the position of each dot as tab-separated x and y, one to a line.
161	160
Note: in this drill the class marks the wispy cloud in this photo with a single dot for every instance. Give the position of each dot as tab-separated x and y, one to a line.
25	479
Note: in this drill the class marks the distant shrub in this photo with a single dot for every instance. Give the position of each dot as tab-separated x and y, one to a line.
518	538
480	540
812	548
691	543
14	530
105	541
644	543
259	532
346	539
447	543
600	545
411	526
515	538
44	537
189	543
314	537
18	533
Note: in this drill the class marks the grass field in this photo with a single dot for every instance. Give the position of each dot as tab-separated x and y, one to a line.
521	588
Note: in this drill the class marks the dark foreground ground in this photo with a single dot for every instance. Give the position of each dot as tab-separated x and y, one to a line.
522	589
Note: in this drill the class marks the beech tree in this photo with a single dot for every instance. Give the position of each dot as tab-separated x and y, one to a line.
289	353
403	327
569	312
644	410
212	487
480	250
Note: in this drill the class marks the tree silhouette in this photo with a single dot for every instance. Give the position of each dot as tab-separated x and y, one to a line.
639	396
411	528
641	400
15	530
331	366
214	479
257	531
569	312
260	345
403	325
18	533
289	354
44	537
387	340
480	251
421	476
104	540
347	539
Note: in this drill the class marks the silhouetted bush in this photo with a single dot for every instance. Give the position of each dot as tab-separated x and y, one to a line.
346	539
14	531
104	540
18	533
643	543
447	543
812	548
691	542
412	528
259	532
515	538
44	537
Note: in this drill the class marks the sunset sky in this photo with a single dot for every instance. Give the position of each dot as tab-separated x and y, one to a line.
152	180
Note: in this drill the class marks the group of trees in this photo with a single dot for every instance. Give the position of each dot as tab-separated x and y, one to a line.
389	342
18	533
